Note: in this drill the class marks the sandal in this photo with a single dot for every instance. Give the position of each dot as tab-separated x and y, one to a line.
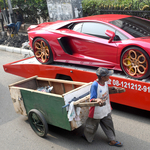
118	144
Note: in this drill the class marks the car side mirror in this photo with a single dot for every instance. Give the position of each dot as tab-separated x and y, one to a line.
111	34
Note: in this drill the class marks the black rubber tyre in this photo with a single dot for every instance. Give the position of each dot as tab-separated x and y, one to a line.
135	63
38	122
42	51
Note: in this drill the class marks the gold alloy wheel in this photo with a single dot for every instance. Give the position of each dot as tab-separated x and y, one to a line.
42	51
135	62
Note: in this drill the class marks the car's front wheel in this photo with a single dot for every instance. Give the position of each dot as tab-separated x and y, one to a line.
135	63
42	51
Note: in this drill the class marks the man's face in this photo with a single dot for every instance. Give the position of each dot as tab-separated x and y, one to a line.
105	78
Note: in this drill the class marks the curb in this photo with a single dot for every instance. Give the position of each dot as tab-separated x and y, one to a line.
25	52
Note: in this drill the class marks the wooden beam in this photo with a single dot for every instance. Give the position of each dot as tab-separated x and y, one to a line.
22	81
77	88
82	99
62	85
61	81
87	104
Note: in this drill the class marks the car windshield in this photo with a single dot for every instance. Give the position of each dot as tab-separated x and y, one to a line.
135	26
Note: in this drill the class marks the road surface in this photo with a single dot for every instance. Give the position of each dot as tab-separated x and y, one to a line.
132	125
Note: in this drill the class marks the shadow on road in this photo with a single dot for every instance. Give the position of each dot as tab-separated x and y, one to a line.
131	110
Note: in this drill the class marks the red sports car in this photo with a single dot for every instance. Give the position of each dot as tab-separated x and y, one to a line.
119	42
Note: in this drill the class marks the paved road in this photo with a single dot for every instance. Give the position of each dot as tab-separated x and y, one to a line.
132	125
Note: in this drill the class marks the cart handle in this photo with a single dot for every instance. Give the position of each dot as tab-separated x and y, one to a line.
75	99
87	104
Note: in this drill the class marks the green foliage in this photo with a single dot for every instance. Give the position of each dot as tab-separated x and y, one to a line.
30	9
1	4
93	7
34	9
90	7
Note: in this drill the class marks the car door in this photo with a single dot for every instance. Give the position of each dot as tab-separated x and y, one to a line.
95	43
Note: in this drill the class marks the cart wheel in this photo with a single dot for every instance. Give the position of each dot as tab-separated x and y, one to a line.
38	122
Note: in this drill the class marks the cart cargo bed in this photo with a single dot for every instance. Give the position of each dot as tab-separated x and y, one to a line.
26	97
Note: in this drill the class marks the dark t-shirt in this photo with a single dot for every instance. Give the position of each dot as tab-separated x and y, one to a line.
19	17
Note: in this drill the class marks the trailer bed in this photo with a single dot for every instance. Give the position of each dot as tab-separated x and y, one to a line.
137	91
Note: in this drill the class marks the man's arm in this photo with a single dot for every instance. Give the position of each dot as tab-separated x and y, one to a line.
113	90
93	94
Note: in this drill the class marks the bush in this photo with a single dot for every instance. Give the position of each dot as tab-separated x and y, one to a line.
90	7
93	7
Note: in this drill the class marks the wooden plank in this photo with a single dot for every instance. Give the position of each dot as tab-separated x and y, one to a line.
31	90
61	81
63	88
82	99
57	88
22	81
87	104
17	100
31	84
68	87
50	84
73	87
37	85
42	83
77	88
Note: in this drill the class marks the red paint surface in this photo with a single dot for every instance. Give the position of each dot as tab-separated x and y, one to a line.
87	50
137	93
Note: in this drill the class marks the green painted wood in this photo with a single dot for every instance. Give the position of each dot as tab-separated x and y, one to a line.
50	106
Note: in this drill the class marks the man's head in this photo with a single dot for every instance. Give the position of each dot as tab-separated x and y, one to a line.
103	73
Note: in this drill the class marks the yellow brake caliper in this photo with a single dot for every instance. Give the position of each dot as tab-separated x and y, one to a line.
129	63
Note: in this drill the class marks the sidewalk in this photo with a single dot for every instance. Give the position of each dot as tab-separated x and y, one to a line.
25	52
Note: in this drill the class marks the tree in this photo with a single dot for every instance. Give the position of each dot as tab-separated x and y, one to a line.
31	10
1	4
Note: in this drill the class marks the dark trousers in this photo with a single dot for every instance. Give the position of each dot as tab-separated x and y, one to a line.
106	124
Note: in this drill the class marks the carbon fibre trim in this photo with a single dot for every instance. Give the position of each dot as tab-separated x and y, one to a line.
63	41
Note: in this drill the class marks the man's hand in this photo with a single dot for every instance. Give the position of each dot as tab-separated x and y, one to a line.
100	101
113	90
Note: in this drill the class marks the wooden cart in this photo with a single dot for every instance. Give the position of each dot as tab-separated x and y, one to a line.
47	108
